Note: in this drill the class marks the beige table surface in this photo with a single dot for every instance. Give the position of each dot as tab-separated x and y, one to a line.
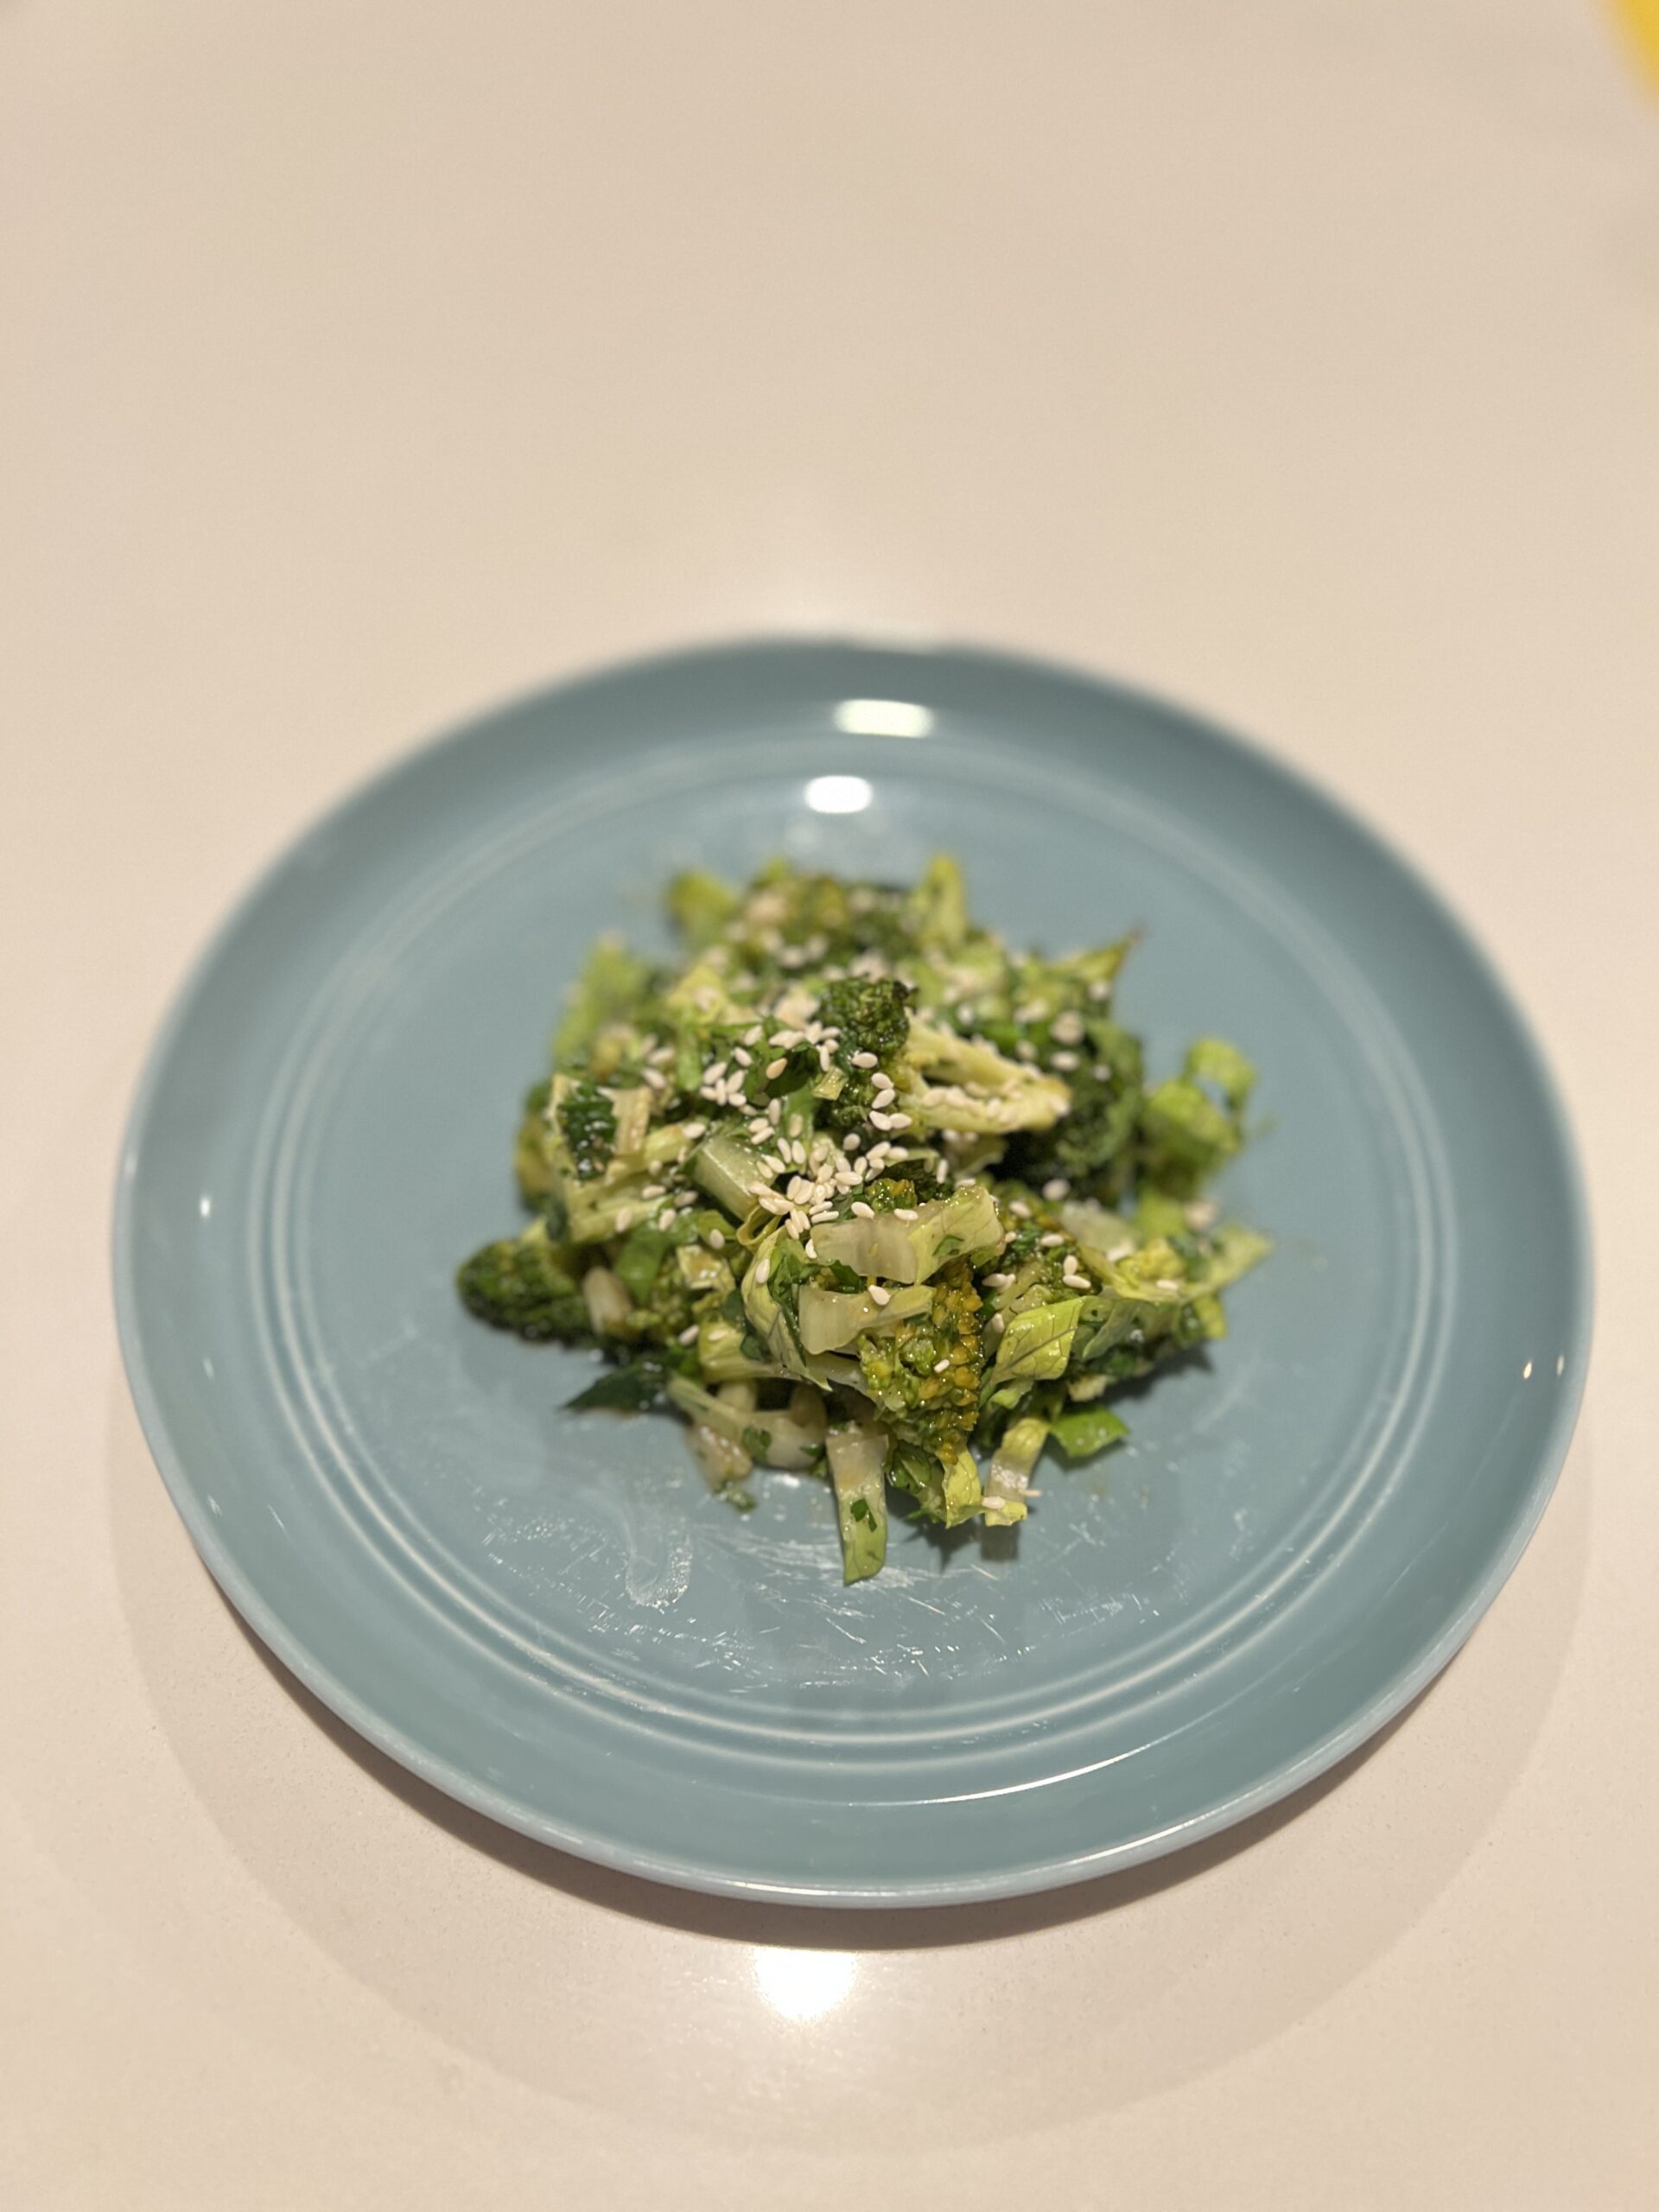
361	365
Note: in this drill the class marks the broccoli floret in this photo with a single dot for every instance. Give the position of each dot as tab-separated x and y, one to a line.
587	1124
871	1013
1092	1146
527	1284
923	1374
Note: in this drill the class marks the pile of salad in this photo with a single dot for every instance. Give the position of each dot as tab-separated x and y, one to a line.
862	1193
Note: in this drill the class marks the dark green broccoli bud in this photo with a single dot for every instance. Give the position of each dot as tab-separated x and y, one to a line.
923	1374
1094	1144
871	1015
526	1284
587	1124
870	1012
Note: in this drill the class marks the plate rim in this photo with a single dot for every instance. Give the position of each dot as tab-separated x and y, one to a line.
1282	1780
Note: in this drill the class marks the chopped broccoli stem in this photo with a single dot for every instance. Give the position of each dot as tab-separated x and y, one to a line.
858	1459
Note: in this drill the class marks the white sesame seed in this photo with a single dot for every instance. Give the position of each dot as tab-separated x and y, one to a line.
654	1190
939	1366
1048	1241
1120	1251
774	1111
863	1210
763	1266
905	1213
1165	1283
1056	1188
1001	1282
1067	1029
1025	1050
824	1213
1018	1206
865	1060
811	1249
786	1037
851	1141
742	1056
880	1293
716	1240
693	1130
688	1336
798	1226
716	1073
624	1218
775	1068
1064	1061
752	1036
655	1078
878	1120
897	1120
1099	989
999	1322
774	1201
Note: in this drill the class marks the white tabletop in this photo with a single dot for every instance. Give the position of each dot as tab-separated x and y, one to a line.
362	365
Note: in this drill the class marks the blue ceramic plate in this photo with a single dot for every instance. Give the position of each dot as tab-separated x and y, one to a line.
546	1614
